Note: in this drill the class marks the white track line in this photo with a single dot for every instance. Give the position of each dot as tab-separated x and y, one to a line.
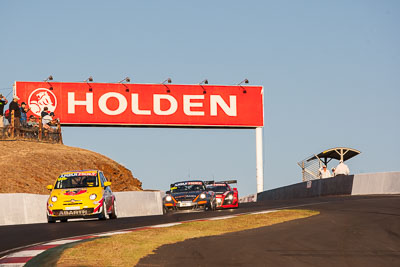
60	242
165	225
112	233
12	264
26	253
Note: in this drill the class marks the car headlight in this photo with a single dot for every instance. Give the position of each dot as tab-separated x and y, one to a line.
230	197
202	195
93	196
54	198
219	200
168	198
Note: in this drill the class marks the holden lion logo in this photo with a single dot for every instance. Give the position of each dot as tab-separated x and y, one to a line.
40	98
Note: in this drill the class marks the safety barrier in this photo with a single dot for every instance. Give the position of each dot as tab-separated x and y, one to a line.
22	208
359	184
376	183
248	198
339	185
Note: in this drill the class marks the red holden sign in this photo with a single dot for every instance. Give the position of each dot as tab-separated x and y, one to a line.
146	104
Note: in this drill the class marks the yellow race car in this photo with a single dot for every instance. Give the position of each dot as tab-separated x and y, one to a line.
81	194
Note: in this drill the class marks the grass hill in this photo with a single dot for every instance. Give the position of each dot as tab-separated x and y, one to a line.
28	167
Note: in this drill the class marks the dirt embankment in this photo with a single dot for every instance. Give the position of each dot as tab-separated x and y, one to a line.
28	167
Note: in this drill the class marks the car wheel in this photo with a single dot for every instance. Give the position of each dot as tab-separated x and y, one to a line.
205	208
113	214
102	215
165	210
64	220
214	206
50	219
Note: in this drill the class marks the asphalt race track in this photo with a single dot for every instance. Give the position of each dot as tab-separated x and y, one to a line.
351	231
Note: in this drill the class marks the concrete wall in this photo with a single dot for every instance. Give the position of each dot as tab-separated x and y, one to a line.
138	203
21	208
339	185
359	184
376	183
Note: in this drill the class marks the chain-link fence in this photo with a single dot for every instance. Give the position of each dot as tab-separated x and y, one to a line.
310	168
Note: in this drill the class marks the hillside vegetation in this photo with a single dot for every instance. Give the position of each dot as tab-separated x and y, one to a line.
27	167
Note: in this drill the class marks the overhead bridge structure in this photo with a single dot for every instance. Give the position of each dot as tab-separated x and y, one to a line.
151	105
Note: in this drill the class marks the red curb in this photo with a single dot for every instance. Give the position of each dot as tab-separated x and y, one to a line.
42	247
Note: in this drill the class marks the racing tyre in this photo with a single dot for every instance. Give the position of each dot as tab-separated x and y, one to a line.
50	219
113	214
214	206
102	215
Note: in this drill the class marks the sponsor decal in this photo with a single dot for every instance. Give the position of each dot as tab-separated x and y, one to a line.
73	174
146	104
217	185
73	212
187	183
40	98
195	183
74	192
185	196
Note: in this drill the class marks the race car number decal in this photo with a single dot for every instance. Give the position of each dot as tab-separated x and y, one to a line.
185	204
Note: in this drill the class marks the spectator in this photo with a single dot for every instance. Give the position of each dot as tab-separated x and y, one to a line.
342	169
32	123
54	121
46	121
3	102
44	112
24	110
17	113
324	172
333	171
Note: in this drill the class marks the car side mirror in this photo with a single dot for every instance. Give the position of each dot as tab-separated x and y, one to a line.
49	187
107	184
168	192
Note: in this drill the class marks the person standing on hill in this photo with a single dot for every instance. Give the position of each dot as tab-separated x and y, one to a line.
342	169
44	112
3	102
24	110
17	113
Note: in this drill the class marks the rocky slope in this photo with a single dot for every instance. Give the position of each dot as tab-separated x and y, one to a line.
27	167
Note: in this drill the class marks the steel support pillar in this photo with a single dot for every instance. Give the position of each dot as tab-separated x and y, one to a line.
259	160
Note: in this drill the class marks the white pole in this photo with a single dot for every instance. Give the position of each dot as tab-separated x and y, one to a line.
259	160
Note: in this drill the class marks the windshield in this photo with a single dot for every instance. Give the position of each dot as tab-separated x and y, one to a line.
187	188
76	181
218	188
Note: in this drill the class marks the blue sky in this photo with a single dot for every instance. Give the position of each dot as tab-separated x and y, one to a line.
330	70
